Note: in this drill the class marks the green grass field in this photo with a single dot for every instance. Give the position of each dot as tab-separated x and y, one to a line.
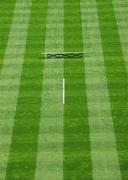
63	119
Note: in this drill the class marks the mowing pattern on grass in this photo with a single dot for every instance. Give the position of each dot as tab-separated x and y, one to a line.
10	78
50	148
117	78
103	144
22	159
40	137
77	161
6	13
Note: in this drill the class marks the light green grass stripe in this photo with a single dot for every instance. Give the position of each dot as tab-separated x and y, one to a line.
103	144
121	14
50	149
6	15
13	54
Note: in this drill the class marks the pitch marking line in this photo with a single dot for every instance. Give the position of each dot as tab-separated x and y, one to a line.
63	90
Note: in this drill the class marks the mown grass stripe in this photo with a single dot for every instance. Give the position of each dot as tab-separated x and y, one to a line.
6	15
104	155
77	161
121	14
12	56
50	148
117	78
23	151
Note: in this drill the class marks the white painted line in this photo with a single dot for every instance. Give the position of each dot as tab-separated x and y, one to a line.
8	98
63	90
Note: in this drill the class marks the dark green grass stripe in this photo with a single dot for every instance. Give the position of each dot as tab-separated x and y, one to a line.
77	162
116	75
6	14
22	159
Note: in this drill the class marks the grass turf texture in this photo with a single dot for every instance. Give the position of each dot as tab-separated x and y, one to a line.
23	150
6	13
24	91
77	161
117	78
